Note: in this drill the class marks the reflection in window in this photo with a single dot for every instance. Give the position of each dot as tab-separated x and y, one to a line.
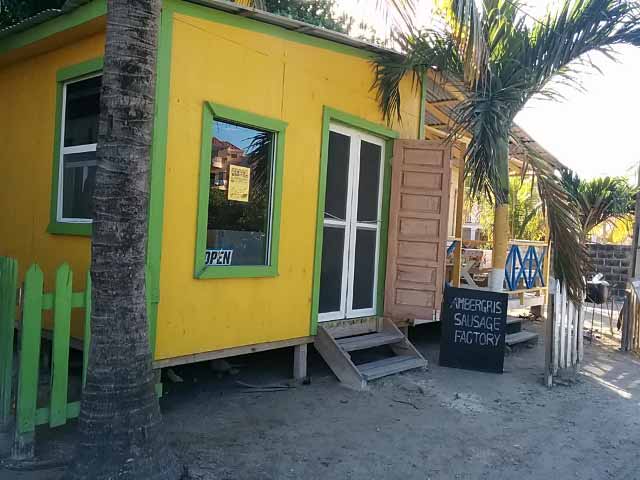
240	195
78	153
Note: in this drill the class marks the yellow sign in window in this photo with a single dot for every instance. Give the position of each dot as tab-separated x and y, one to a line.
238	187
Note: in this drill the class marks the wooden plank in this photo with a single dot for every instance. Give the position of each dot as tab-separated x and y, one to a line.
574	336
570	333
549	342
86	338
581	333
29	352
230	352
353	326
60	353
361	342
390	366
563	327
8	290
520	337
300	362
556	328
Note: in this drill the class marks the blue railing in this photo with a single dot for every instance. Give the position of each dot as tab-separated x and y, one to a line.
524	268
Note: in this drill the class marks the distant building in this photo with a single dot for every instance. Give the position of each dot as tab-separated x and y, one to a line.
224	154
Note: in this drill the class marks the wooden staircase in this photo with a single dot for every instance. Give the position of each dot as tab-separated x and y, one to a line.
336	344
516	334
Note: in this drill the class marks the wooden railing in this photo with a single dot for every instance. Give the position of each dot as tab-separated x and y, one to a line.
527	266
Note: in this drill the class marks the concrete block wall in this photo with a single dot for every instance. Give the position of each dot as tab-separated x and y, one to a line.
614	262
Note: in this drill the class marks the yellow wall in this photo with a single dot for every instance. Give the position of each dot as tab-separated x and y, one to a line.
27	122
277	78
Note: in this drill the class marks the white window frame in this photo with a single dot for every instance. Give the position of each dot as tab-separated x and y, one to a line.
90	147
351	225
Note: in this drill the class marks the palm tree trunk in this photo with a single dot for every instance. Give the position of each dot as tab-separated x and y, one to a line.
120	422
501	218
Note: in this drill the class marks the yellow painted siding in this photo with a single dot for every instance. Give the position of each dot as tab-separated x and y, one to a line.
277	78
27	122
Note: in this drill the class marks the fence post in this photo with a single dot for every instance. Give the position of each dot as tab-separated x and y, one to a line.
23	447
549	340
60	354
8	289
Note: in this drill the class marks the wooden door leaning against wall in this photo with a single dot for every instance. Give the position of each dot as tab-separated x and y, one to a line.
418	218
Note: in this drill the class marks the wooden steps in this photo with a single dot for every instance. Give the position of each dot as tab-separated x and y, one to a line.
520	337
362	342
389	366
335	347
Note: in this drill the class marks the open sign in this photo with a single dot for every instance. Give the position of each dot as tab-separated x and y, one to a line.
218	257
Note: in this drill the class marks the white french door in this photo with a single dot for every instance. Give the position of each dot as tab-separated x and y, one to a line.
351	229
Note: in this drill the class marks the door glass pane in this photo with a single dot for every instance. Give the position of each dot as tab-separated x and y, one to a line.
369	182
335	202
78	182
364	269
331	270
238	227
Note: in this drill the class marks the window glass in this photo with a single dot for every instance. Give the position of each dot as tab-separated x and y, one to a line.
79	179
335	203
78	156
369	182
240	195
82	105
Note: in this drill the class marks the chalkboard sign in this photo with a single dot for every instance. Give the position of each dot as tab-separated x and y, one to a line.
474	325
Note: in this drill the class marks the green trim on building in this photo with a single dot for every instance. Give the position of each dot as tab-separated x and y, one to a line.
330	115
65	21
63	75
158	169
210	112
211	14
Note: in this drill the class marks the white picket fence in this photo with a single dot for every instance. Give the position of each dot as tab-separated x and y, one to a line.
564	334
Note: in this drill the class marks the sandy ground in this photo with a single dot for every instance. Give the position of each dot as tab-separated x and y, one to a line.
435	424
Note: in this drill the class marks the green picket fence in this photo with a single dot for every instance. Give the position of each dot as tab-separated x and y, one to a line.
35	301
8	301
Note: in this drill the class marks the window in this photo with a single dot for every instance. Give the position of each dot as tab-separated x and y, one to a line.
76	137
239	198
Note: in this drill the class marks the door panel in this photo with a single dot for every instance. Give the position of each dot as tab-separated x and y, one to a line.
331	274
364	271
418	219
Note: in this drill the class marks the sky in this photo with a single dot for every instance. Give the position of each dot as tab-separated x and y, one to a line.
594	132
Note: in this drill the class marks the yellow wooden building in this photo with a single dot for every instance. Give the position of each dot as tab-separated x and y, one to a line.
273	204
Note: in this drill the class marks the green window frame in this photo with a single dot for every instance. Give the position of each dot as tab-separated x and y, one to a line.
212	112
63	76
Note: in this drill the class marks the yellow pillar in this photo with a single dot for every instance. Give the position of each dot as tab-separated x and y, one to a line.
500	246
457	259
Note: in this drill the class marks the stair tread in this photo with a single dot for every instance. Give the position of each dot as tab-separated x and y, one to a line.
520	337
361	342
389	366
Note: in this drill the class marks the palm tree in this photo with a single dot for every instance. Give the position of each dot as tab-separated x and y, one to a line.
504	58
600	200
119	424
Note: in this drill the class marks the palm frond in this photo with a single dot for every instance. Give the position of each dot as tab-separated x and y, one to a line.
424	49
600	200
569	255
564	39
